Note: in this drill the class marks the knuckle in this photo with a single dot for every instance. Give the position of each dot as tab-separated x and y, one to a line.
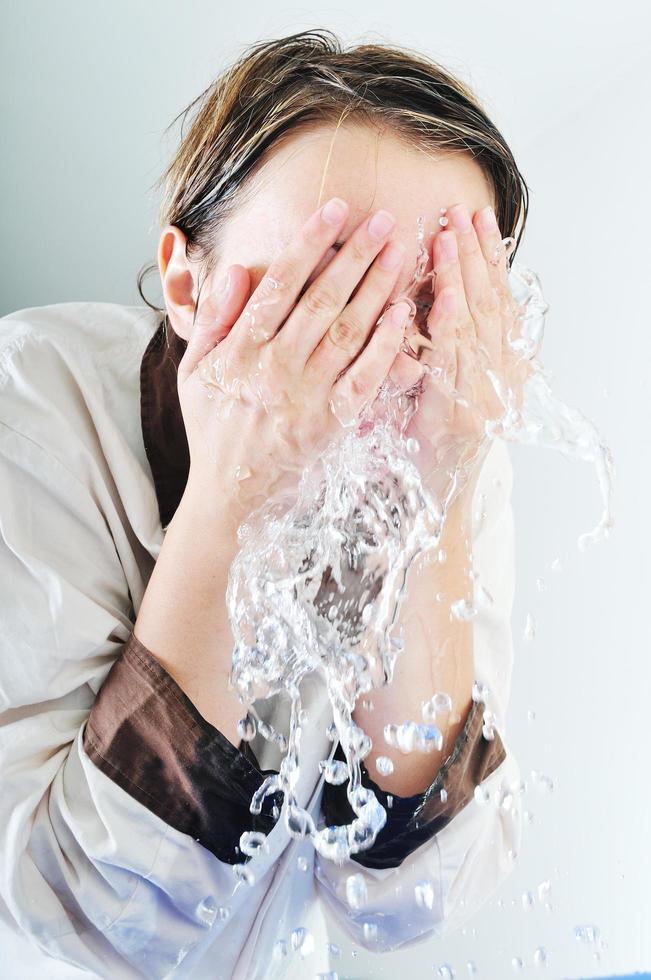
359	386
282	273
468	245
276	359
319	299
487	305
346	331
504	296
359	251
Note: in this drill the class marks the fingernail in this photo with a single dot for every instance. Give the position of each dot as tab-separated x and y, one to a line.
461	218
487	219
399	313
381	224
333	212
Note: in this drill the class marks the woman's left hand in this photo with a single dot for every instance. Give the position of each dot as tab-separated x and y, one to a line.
473	319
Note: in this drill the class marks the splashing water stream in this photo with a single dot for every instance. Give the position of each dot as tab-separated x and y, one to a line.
317	584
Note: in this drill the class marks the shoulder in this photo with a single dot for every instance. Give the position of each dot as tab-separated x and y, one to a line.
70	373
96	329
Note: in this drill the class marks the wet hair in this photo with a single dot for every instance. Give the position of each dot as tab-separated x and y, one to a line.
296	83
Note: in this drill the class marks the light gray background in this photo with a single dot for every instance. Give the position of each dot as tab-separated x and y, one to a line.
88	88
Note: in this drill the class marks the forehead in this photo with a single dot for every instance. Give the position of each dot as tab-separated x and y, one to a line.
370	168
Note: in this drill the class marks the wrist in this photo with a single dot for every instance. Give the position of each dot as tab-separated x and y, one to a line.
212	504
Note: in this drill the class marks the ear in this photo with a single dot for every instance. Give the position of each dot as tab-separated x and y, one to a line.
177	273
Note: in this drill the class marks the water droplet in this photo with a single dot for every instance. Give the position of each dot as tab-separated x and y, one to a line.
384	765
246	728
446	971
243	472
529	629
462	609
207	911
409	737
370	932
243	873
587	934
484	598
543	890
480	692
299	822
280	949
302	863
471	967
482	795
412	445
541	585
531	715
302	941
424	893
517	964
443	222
540	956
252	841
527	900
444	795
334	771
223	912
356	893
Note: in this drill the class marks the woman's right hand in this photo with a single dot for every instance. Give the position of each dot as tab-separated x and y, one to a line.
266	381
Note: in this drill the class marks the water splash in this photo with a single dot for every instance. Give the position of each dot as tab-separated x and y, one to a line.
320	576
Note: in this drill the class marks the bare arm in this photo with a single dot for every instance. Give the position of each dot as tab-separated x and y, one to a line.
437	656
183	618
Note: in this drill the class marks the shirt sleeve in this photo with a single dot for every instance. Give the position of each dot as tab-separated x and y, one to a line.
413	820
148	737
90	875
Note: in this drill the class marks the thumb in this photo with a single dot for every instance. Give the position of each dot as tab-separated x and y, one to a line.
216	315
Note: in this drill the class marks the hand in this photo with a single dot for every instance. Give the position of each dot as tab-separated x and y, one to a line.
470	364
266	381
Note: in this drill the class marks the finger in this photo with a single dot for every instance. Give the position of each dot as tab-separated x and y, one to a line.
406	371
490	238
216	316
360	384
483	301
445	259
324	325
349	332
276	294
441	360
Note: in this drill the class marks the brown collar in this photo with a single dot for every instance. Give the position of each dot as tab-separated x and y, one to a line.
163	429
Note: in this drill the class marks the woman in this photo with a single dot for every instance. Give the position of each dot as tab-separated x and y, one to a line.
288	228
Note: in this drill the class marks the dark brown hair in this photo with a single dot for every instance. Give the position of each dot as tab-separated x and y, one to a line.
307	79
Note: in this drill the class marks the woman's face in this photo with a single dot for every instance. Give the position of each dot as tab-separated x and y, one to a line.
369	169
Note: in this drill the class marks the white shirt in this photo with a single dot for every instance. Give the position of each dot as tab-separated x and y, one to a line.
88	875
